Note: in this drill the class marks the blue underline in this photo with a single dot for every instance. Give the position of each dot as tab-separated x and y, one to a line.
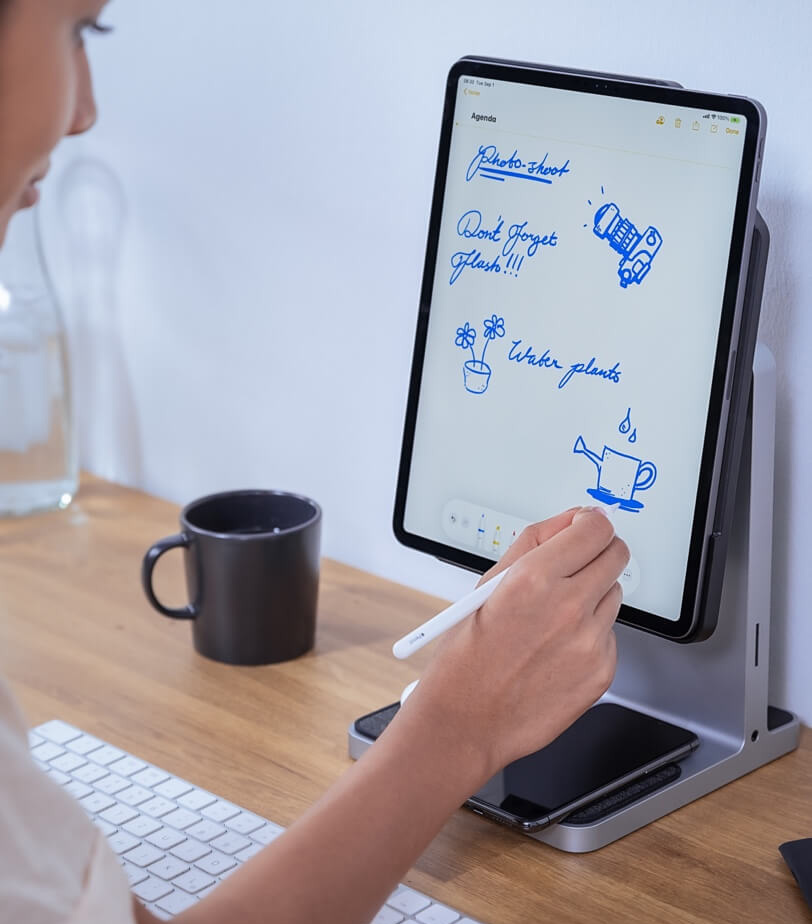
522	176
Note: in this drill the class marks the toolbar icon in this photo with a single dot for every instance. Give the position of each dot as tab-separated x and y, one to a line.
695	126
661	120
677	123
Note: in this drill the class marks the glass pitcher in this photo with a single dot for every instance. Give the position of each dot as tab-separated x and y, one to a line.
38	456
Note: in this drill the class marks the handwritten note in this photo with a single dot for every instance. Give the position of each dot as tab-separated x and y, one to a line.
490	164
517	241
546	360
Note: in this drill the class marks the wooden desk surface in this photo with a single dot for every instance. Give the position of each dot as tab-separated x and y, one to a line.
79	642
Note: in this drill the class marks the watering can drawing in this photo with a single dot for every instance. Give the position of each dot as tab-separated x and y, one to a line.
619	476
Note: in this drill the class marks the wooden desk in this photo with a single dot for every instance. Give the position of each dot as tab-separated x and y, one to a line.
79	642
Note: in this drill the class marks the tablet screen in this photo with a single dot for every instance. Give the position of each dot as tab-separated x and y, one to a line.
573	322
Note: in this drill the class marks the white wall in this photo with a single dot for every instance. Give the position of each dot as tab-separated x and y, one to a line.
277	162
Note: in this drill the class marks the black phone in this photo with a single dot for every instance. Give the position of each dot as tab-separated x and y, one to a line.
607	758
607	748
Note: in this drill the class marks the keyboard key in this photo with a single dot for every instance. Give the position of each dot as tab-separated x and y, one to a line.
166	838
34	739
245	823
134	795
193	881
121	842
176	902
89	773
159	913
438	914
220	811
205	830
191	850
267	834
168	868
181	818
248	852
196	799
151	889
387	916
67	762
78	790
149	777
58	732
112	784
407	900
215	863
104	826
127	766
118	814
142	826
230	842
84	744
58	776
106	754
41	765
144	855
158	807
172	788
47	751
134	873
96	803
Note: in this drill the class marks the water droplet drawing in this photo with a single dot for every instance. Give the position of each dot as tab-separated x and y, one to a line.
626	423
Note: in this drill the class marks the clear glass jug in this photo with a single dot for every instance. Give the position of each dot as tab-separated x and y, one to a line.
38	457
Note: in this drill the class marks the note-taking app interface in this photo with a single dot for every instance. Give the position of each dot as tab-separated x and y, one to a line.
574	319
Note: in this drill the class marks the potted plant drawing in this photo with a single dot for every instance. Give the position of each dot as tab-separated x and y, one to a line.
476	372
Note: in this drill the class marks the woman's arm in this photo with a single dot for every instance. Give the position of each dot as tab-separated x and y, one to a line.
545	636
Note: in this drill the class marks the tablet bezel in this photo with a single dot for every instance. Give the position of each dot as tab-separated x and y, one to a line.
698	610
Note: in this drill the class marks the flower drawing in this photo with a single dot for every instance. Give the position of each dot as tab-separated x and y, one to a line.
476	372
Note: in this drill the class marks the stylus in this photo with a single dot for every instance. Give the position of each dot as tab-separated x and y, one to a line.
455	613
449	617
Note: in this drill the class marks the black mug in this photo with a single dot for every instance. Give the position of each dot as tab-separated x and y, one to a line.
252	574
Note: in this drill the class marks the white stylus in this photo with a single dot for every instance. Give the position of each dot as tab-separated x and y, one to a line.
449	617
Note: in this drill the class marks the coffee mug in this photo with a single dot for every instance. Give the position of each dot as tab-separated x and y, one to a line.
252	574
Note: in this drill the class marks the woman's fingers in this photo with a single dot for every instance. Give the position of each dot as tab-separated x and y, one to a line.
530	538
598	576
574	547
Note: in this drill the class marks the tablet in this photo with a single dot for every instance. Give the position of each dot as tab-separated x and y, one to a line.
580	321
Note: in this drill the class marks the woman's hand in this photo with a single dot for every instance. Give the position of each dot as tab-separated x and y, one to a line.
509	679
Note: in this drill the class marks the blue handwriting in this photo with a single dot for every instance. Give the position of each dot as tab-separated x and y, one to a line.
547	361
489	163
471	226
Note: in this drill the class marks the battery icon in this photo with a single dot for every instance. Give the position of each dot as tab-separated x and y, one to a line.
735	119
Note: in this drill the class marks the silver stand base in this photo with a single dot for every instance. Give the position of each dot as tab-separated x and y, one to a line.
716	688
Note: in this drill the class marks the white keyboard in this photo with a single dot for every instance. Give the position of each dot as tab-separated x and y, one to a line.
174	840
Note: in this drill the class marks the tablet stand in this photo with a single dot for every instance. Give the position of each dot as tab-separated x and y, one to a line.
717	688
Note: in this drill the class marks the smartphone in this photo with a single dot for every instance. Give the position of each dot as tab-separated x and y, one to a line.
607	748
597	758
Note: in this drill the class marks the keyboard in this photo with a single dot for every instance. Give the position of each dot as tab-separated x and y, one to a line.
175	840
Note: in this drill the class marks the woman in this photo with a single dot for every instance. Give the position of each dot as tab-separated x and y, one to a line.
544	637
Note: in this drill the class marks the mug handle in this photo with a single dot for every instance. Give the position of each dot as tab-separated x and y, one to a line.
648	478
179	540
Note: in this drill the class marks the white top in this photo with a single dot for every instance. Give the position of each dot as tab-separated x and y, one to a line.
55	864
